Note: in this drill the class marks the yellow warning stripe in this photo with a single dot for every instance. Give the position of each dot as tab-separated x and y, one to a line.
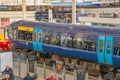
1	37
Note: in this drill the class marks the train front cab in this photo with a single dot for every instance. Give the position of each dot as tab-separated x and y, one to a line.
35	39
25	37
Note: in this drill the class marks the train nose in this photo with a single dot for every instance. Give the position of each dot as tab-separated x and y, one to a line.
1	49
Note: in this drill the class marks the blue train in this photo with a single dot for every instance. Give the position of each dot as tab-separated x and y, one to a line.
98	45
3	7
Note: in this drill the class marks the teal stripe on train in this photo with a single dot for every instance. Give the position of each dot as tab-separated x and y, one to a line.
37	39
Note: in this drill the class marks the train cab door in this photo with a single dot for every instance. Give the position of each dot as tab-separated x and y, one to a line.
109	50
101	49
37	39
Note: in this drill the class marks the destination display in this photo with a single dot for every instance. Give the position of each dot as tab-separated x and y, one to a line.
23	28
59	67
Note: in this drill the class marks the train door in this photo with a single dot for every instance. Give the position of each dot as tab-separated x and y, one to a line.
101	49
104	51
109	50
37	40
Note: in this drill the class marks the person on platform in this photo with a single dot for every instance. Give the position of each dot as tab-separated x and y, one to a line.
35	77
28	77
9	72
51	77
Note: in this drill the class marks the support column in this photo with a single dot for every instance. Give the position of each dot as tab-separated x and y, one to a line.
35	3
75	73
86	76
44	70
24	9
50	15
73	11
82	10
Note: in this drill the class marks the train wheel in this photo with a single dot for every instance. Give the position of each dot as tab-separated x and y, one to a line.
103	71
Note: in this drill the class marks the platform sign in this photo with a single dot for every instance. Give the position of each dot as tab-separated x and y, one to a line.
5	22
31	60
5	59
80	72
52	1
59	67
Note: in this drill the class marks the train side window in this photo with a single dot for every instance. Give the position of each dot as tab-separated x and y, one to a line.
28	36
52	39
101	46
85	44
58	40
46	38
15	32
70	41
75	43
93	47
116	49
20	36
79	43
108	47
24	35
64	40
119	51
10	32
49	38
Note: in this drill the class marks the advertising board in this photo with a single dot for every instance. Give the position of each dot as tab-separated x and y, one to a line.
5	22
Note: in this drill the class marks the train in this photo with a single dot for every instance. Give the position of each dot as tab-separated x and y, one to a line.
4	42
3	7
100	45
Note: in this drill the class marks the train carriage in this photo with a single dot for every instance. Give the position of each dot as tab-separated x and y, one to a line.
4	42
98	45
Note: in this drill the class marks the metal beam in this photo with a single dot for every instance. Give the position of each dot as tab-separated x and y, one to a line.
24	9
35	3
73	11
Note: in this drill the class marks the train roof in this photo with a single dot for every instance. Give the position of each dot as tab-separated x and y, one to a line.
70	27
